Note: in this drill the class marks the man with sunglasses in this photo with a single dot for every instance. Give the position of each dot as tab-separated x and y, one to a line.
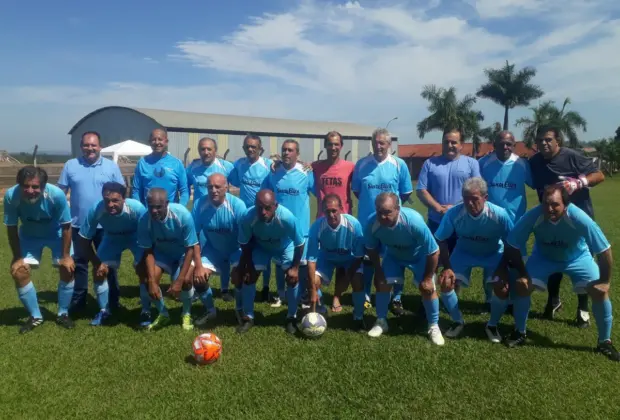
555	164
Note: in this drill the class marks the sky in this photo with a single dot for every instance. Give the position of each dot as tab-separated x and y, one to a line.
355	61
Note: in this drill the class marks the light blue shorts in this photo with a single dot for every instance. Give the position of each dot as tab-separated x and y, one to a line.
170	266
32	248
582	271
111	249
394	270
217	263
325	269
262	257
462	263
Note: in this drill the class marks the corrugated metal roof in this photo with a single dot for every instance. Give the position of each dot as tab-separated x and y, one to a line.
434	149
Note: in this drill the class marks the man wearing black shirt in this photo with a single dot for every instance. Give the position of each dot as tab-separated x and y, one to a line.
556	164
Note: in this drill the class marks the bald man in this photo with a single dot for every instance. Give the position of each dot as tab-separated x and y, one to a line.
268	232
160	170
199	170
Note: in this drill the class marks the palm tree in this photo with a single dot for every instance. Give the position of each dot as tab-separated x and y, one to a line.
490	133
510	89
447	111
549	114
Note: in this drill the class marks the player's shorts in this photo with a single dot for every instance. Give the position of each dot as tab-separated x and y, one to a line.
581	270
111	249
32	248
325	269
219	264
394	270
262	258
170	265
462	263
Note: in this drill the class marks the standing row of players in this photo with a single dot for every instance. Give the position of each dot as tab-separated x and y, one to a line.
372	168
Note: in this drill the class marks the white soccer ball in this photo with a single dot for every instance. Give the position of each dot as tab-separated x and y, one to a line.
313	325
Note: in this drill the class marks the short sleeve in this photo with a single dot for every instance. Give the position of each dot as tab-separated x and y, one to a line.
189	230
183	185
144	234
423	177
245	229
240	210
233	176
294	231
228	167
313	242
370	241
404	179
446	227
423	235
475	168
310	176
594	236
63	180
583	165
518	236
528	174
117	175
62	208
356	182
507	224
358	240
11	215
89	226
196	215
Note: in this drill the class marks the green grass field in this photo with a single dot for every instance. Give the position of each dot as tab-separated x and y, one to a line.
118	372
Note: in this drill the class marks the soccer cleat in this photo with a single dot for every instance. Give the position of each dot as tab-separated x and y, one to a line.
455	330
359	325
397	308
493	334
65	322
245	326
516	339
100	318
265	294
186	322
276	302
160	322
607	349
583	319
291	325
551	309
227	296
209	315
380	327
30	324
367	303
434	333
145	319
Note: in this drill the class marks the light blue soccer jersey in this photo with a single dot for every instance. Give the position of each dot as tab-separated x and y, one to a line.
198	174
506	182
171	236
574	235
116	226
371	178
336	245
282	232
483	235
408	240
220	225
292	188
249	178
41	219
166	172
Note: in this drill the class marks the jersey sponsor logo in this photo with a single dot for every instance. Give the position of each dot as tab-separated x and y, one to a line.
556	244
269	240
219	230
289	191
122	232
329	181
252	183
39	220
476	238
384	186
506	185
400	247
338	251
170	240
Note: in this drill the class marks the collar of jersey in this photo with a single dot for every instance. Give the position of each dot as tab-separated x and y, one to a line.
484	211
95	163
339	224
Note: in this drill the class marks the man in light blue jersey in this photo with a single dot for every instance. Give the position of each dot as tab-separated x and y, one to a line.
268	232
217	216
336	240
292	185
83	178
45	222
372	175
249	174
167	234
481	229
118	218
160	170
408	243
199	170
566	239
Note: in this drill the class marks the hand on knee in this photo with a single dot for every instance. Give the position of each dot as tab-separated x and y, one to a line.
522	287
501	290
598	292
65	275
20	272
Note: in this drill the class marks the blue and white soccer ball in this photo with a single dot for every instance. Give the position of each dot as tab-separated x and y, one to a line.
313	325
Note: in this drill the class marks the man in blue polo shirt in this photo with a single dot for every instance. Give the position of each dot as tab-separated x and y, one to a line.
83	178
199	170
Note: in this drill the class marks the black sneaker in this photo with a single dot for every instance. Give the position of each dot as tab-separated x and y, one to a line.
397	308
551	309
583	319
607	349
359	325
516	339
30	324
145	319
246	325
265	294
65	322
291	325
227	296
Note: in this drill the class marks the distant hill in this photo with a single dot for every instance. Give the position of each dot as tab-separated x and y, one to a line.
42	157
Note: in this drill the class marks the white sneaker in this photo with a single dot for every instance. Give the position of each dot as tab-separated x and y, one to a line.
434	333
493	334
455	330
276	302
585	315
202	321
379	328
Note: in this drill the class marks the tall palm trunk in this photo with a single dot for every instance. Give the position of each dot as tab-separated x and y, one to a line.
506	117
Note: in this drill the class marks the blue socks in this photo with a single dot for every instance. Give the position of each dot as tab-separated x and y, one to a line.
206	298
398	291
358	305
451	302
249	293
521	309
65	293
603	316
369	273
498	307
186	299
102	291
145	299
431	307
292	298
161	305
28	297
382	300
